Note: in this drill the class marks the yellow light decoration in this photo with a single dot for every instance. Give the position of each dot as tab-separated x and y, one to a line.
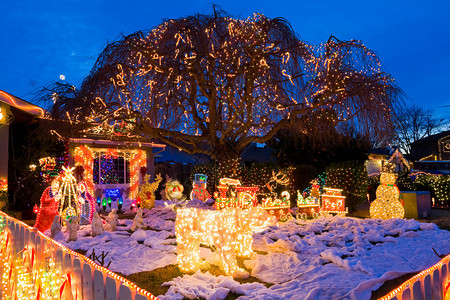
387	204
56	278
333	202
147	191
229	230
139	160
3	185
83	156
68	192
231	194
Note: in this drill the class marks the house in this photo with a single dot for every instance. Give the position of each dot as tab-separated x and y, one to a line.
109	165
433	147
13	110
106	162
379	157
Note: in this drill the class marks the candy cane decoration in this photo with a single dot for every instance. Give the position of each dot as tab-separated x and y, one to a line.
139	160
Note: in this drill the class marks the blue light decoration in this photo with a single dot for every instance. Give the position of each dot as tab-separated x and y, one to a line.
112	193
119	204
99	201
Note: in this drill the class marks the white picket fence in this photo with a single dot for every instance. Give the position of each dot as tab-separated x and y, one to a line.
431	283
93	281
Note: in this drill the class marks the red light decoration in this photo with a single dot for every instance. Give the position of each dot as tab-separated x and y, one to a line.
47	211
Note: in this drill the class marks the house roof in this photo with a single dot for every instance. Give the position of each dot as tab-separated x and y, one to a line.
115	143
20	104
432	138
382	151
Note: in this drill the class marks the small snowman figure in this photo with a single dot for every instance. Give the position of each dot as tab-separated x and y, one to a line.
97	224
56	227
112	219
387	205
138	221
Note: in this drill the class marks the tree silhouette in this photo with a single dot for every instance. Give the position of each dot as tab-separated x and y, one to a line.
213	84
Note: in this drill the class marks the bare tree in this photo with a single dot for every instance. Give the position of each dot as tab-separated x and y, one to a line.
413	123
213	84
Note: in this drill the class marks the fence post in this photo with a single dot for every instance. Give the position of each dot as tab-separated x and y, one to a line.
140	297
88	283
427	287
26	240
78	274
406	294
417	290
111	288
437	285
99	285
124	293
59	258
68	264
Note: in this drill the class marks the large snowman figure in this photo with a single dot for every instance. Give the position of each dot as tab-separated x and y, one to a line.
387	204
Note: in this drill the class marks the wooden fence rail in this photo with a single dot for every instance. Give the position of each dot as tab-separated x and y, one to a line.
92	282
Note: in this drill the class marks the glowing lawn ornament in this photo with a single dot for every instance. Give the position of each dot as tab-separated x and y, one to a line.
387	204
307	207
199	191
333	202
231	194
229	230
47	211
147	191
68	193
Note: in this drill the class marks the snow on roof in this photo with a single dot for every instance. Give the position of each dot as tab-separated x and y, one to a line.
21	104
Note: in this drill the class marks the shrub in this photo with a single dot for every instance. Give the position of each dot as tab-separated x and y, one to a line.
351	176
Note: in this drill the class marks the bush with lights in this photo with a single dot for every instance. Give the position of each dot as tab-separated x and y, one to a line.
351	177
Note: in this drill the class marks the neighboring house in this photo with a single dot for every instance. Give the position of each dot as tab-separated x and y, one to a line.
13	110
107	161
379	157
433	147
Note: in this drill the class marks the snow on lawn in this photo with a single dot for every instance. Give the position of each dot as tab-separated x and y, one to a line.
325	258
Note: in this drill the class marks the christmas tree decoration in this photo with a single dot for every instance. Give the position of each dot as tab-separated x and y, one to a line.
69	205
147	191
387	205
229	231
199	191
333	202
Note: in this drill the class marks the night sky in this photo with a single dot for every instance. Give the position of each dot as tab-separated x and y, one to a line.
40	40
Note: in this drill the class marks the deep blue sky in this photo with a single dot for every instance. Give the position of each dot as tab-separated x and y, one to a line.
40	40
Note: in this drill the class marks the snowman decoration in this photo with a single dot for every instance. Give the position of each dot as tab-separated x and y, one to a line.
387	204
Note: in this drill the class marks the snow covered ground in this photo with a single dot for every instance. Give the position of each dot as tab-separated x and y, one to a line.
325	258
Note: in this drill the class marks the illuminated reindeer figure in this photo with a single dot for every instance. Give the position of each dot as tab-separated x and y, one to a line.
276	187
276	200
